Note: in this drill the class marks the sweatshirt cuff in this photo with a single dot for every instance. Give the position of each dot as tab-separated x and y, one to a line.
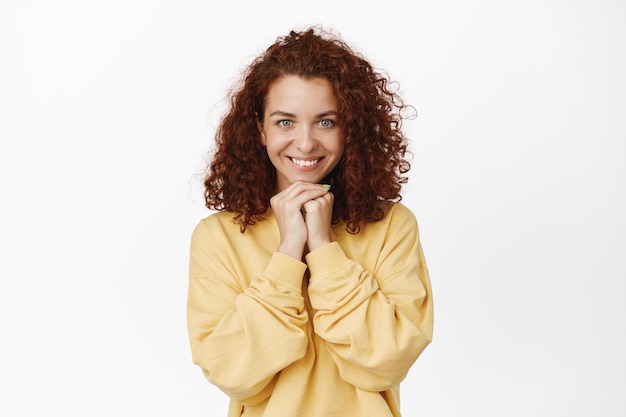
285	269
327	258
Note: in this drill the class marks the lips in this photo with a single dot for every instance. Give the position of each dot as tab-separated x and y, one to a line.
305	163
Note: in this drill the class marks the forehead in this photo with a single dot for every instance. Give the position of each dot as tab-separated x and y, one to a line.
300	93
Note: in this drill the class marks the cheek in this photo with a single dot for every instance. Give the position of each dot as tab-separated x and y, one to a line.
272	148
339	146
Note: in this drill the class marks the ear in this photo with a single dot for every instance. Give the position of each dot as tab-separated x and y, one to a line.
259	126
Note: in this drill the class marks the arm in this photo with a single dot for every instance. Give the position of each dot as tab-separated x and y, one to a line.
375	326
241	338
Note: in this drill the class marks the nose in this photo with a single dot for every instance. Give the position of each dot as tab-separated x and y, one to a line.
305	141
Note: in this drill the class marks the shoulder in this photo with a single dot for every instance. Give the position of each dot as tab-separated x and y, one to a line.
396	217
223	225
219	217
399	222
398	209
218	223
398	213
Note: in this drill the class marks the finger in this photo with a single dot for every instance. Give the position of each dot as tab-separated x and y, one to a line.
318	220
297	195
298	188
324	201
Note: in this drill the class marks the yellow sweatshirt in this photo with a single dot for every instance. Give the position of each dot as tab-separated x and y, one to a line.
329	337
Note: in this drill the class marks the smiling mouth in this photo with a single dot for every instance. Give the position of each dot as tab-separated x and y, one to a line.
305	162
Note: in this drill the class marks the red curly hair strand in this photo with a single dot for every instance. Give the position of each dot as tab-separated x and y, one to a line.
241	179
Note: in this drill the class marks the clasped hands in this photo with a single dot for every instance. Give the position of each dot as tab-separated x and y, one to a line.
304	213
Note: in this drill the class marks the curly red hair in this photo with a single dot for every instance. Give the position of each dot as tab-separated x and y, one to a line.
241	178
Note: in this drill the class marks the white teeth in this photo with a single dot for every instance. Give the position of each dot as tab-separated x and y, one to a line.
303	163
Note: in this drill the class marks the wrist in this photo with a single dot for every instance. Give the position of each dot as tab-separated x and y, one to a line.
295	251
318	243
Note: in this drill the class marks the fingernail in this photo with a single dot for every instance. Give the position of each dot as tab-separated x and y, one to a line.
326	187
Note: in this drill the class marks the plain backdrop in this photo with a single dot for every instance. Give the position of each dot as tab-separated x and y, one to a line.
107	110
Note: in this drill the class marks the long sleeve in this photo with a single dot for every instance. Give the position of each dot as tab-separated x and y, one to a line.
243	335
375	322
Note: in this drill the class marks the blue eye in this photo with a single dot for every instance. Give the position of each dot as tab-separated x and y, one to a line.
327	123
284	123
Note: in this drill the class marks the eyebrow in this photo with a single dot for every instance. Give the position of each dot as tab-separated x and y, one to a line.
281	113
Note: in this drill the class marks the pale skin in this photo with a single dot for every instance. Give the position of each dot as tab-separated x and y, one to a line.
304	142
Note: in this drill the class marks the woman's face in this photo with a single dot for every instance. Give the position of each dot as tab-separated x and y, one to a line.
300	130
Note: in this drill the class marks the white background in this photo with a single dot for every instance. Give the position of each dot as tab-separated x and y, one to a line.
108	108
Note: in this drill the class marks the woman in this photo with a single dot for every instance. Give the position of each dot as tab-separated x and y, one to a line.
309	294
